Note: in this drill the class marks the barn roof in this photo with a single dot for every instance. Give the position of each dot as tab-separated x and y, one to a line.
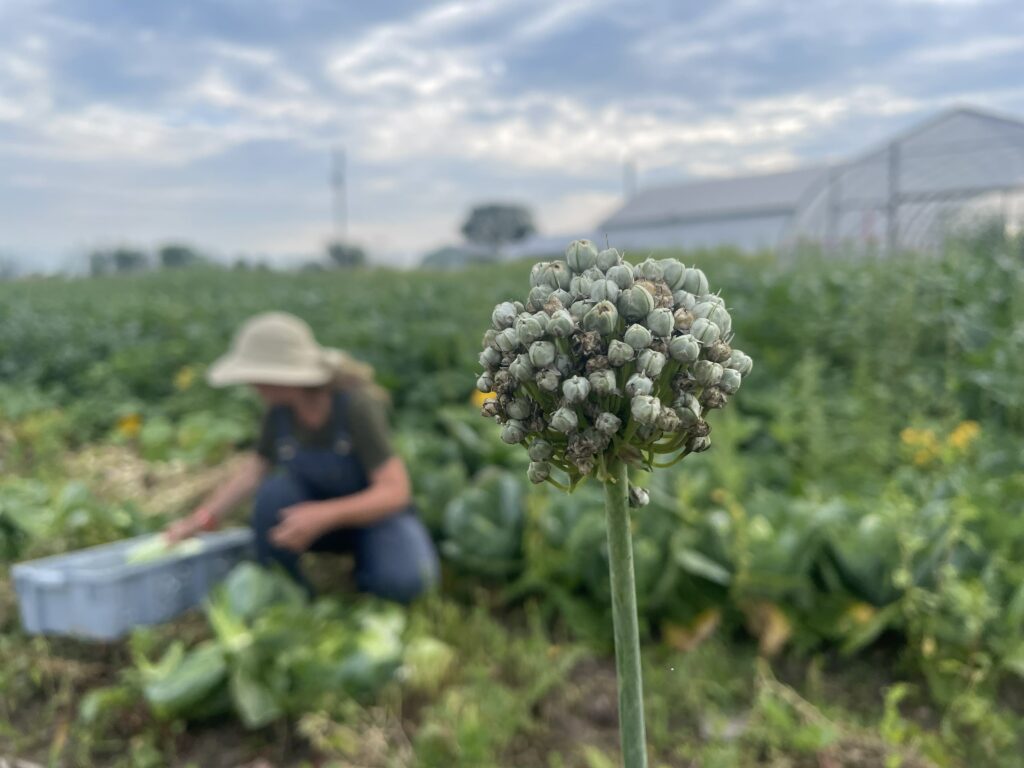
737	197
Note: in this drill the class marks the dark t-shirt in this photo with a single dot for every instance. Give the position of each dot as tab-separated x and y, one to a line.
367	421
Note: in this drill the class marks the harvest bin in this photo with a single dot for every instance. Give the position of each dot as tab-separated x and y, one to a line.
94	593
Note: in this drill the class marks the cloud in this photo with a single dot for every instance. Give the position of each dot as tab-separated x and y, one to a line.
24	85
984	48
545	132
202	119
417	57
245	54
272	113
576	212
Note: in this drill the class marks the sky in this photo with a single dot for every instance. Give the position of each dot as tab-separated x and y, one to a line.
213	123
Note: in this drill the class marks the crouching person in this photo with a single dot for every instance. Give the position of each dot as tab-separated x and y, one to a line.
324	475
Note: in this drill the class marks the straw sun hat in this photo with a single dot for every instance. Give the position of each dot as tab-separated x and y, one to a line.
279	348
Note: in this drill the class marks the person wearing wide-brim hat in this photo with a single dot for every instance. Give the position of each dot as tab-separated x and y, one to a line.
324	474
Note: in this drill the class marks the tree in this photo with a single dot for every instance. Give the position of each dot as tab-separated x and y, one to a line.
346	254
121	259
129	260
100	263
178	256
495	224
8	267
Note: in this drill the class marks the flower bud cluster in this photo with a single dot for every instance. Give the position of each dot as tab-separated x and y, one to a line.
609	360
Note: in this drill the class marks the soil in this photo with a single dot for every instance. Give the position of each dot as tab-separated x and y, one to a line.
582	712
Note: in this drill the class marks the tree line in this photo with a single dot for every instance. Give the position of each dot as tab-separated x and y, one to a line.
127	259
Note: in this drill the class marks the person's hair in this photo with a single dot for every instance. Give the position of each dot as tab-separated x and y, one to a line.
351	374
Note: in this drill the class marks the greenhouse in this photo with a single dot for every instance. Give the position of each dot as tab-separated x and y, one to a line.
960	167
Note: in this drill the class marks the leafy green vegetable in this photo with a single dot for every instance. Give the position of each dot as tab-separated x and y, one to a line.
174	689
157	547
256	704
426	663
483	525
273	653
249	589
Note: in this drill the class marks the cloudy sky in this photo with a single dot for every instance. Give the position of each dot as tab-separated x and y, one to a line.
213	122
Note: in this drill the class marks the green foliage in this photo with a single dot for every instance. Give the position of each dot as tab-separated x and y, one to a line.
202	437
346	255
178	256
819	520
36	518
483	525
157	547
495	224
120	259
273	654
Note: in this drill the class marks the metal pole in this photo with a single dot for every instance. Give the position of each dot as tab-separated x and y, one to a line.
892	208
834	211
629	178
338	187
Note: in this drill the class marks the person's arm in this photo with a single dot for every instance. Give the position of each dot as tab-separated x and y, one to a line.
389	492
238	487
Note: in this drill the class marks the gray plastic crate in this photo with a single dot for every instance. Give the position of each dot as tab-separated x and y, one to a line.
94	593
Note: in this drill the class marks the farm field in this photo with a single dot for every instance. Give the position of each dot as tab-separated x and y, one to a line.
839	581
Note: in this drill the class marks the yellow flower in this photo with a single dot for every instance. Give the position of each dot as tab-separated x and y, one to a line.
720	496
861	613
924	457
928	647
479	398
129	425
918	438
185	378
687	637
965	433
925	443
770	625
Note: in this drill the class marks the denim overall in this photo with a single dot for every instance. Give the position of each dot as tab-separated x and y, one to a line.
394	558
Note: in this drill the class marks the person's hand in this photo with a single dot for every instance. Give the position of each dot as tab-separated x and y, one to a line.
300	526
182	529
187	527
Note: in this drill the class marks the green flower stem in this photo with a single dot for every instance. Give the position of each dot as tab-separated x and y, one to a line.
665	393
623	374
581	417
672	446
560	464
672	462
624	617
557	484
543	398
631	427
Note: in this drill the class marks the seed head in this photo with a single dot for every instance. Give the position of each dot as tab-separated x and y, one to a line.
608	258
564	420
580	255
619	353
538	472
638	337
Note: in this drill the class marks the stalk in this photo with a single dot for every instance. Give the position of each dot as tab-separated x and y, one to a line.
624	617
